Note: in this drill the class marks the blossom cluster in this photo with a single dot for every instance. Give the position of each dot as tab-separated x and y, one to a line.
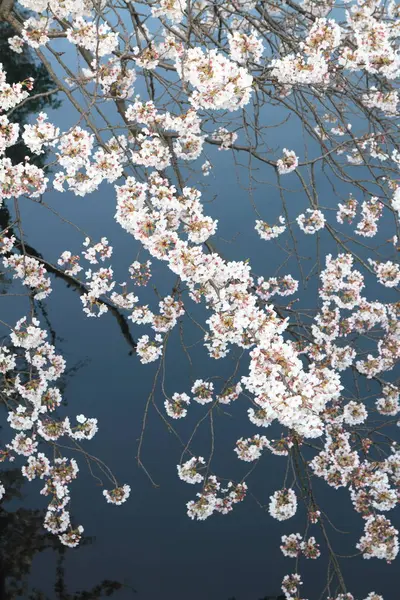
269	232
212	498
217	81
293	546
312	221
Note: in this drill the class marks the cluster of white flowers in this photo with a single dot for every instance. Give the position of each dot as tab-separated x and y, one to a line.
209	502
40	134
389	404
176	408
66	8
97	38
283	504
140	272
99	283
35	31
311	222
189	147
396	200
269	232
206	168
149	350
171	9
230	394
347	211
312	65
290	586
115	80
324	36
354	413
371	211
149	57
85	429
348	596
71	262
383	100
373	50
202	391
102	249
244	47
219	83
12	95
251	449
288	163
153	149
214	498
285	285
224	138
153	152
380	539
22	179
8	134
31	272
16	44
32	404
284	391
81	175
296	69
388	273
75	148
340	283
293	546
188	472
118	495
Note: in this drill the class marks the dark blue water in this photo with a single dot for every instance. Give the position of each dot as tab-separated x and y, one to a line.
149	544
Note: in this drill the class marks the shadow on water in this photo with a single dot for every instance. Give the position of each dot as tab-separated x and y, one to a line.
19	67
22	537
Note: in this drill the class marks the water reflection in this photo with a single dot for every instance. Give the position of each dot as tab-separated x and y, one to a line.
71	282
18	68
22	537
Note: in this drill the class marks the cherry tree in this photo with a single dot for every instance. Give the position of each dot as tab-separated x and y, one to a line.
157	89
